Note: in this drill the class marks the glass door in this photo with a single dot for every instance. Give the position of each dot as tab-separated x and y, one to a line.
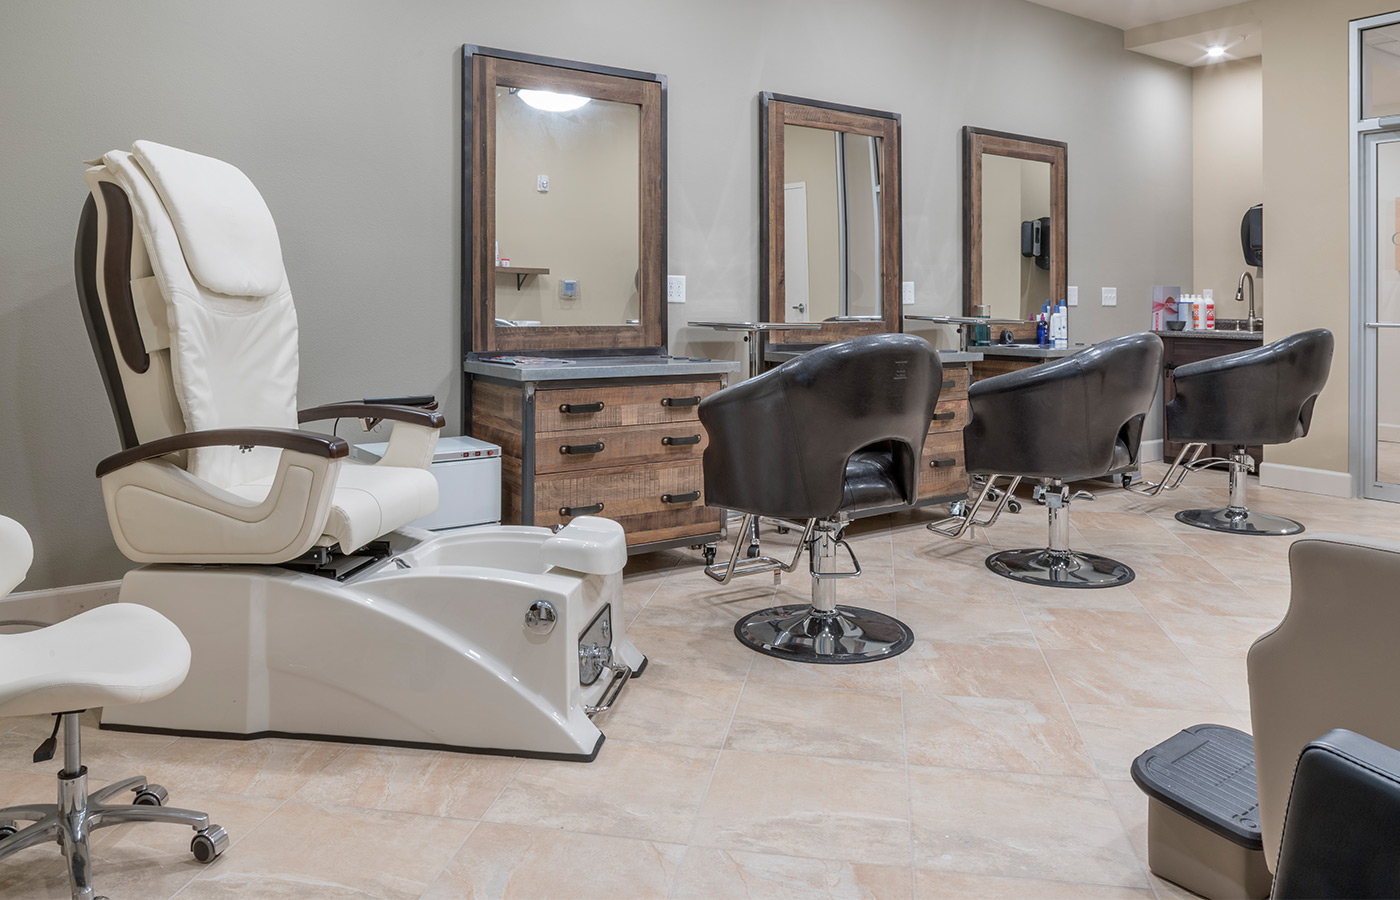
1380	300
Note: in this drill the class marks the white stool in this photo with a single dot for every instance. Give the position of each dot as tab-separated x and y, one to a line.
82	663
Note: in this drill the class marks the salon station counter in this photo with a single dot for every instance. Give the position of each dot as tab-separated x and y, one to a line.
998	359
614	436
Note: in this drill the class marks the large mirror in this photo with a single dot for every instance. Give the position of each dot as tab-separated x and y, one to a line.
564	215
829	219
1014	233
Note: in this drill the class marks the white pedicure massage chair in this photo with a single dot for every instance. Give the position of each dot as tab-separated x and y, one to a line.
310	608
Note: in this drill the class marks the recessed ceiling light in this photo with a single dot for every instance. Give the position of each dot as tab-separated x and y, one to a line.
1215	52
549	101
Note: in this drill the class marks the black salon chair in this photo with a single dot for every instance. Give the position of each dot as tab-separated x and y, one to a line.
1260	396
835	432
1076	418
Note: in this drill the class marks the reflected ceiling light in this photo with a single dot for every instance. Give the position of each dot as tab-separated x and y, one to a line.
549	101
1215	52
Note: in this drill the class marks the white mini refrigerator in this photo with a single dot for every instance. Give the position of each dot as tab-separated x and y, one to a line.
468	473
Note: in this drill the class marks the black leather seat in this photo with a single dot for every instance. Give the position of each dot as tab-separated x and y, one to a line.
1076	418
1261	396
839	430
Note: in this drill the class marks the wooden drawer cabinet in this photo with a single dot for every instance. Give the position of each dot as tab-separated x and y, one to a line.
1178	351
942	474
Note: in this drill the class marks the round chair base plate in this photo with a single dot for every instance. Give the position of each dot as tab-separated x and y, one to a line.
1063	569
802	634
1239	521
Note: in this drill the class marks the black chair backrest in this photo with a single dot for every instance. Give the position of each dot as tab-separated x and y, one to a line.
1068	419
779	443
1260	396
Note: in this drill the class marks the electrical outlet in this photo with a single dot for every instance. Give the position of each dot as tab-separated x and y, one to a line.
907	296
1110	296
1072	296
675	289
542	183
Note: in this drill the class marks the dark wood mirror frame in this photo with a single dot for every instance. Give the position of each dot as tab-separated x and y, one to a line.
775	111
977	141
483	70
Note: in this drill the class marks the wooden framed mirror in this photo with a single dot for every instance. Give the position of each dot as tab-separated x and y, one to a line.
1014	223
830	246
563	206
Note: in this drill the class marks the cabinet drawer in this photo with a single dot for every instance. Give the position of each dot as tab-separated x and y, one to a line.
575	409
955	378
941	470
595	448
621	494
950	416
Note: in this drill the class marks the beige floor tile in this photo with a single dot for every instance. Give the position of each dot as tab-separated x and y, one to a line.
1035	596
109	755
709	652
877	677
775	803
1095	629
1210	600
973	670
638	790
423	782
269	767
813	722
310	850
505	861
1116	735
667	705
1223	636
960	583
1229	677
696	601
933	885
708	874
1131	805
1165	680
947	622
1001	823
1000	735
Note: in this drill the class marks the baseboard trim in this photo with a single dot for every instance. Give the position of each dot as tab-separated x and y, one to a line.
57	604
1150	451
1302	478
1390	433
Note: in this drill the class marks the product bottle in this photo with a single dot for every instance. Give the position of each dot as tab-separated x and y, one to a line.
1041	327
1186	311
1200	310
1062	336
1210	309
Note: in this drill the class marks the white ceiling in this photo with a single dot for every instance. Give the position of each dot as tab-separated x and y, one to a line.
1127	14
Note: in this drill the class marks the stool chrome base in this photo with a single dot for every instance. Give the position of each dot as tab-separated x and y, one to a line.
845	635
1239	520
1060	568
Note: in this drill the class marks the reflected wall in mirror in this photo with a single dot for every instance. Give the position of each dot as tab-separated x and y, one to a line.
564	205
829	219
1014	233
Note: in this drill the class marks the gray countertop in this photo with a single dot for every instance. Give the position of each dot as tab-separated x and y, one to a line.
1029	351
603	367
1214	334
946	356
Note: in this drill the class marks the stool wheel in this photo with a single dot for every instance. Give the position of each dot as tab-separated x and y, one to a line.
151	795
783	529
753	551
209	844
1013	505
710	551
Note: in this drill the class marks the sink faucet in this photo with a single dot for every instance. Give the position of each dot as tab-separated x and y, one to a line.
1239	296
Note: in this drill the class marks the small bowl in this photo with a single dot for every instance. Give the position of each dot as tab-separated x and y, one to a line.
1175	326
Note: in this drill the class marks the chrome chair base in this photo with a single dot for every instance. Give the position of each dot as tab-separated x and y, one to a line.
1239	520
845	635
1060	568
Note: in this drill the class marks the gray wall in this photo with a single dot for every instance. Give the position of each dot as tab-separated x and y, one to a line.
345	115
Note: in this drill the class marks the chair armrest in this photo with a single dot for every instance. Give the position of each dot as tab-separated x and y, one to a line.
377	412
322	445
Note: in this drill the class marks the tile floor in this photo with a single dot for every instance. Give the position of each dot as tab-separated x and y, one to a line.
991	760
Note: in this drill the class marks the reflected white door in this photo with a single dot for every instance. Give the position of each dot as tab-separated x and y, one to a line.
1381	307
795	252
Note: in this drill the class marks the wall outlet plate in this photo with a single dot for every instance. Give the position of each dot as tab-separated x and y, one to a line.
1110	296
568	289
542	183
675	289
907	294
1072	295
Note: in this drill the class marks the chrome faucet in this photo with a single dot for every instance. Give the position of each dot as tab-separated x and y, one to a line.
1239	297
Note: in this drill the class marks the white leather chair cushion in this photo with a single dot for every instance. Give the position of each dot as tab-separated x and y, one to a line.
109	656
369	501
16	553
225	228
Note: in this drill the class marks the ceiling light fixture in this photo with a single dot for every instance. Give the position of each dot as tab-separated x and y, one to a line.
1215	52
549	101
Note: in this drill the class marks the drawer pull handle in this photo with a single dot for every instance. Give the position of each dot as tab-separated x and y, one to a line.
678	441
568	511
947	384
581	449
681	498
573	409
944	416
680	401
942	463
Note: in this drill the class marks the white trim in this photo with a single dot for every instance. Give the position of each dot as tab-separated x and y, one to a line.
1302	478
57	604
1150	451
1389	433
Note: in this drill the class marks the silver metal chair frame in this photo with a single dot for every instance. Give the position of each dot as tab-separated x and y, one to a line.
1236	517
968	518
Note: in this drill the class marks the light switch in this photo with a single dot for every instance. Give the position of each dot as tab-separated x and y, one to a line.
1110	296
1072	295
675	289
542	183
907	295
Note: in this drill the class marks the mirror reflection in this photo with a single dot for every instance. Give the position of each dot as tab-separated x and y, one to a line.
1016	236
567	194
831	222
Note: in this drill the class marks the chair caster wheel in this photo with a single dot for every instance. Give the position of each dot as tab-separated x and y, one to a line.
209	844
710	552
151	795
753	551
1013	505
783	529
7	828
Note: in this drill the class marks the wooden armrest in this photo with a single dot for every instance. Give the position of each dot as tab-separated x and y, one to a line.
409	414
283	438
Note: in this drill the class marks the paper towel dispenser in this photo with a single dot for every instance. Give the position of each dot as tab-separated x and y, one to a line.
1035	241
1252	235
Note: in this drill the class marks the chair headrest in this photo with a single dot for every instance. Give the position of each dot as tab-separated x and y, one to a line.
225	229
